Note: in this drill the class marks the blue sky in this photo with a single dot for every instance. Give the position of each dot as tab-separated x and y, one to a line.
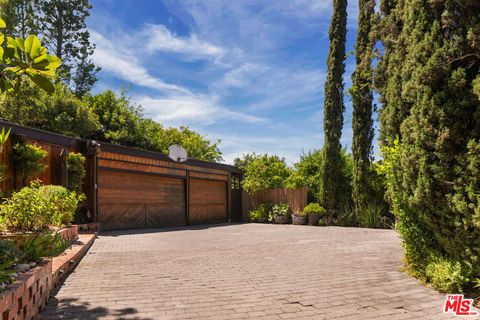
249	72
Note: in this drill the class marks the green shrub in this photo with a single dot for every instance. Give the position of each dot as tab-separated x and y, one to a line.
301	214
43	245
446	275
314	208
76	171
62	204
261	213
36	206
281	209
26	160
372	215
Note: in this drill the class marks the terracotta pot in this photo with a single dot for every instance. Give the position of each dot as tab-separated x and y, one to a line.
313	219
281	219
298	220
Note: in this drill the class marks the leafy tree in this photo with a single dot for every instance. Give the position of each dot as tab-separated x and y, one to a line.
334	107
430	129
62	24
19	17
124	123
197	146
362	97
61	112
242	163
118	117
308	173
264	173
25	57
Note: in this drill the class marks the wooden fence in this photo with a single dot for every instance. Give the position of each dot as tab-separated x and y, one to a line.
296	198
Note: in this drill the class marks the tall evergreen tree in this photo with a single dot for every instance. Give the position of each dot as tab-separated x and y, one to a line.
362	98
63	27
334	107
19	17
430	129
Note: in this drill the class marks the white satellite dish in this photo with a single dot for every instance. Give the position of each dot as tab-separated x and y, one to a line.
177	153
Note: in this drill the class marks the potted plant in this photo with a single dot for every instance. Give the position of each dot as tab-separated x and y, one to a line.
261	214
299	218
314	212
281	213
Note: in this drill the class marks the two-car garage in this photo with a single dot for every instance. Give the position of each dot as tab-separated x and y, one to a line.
143	189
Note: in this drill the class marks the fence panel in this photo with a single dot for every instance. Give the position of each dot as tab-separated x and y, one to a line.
296	198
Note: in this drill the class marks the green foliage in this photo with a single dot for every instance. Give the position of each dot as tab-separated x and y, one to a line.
6	270
362	98
34	207
124	123
43	245
243	162
60	112
9	255
9	251
76	171
265	173
61	204
334	108
314	208
4	137
262	213
372	215
282	209
27	159
308	173
428	83
446	275
25	57
62	24
103	117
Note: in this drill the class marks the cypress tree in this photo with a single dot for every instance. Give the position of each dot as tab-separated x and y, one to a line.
430	129
334	107
362	98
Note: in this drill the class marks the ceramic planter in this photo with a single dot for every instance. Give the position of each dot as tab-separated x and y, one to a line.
313	219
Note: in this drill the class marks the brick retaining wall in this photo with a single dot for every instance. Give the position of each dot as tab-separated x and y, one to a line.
27	297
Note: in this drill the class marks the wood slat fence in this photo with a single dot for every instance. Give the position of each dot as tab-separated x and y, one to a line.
296	198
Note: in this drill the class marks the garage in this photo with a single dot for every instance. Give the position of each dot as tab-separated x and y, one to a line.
143	189
207	201
139	200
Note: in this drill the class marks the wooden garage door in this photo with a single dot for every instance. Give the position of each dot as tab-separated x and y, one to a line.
207	201
130	200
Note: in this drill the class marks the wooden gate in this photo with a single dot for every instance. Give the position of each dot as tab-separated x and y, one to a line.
136	200
207	201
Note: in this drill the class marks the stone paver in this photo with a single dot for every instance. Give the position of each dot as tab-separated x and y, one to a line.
248	271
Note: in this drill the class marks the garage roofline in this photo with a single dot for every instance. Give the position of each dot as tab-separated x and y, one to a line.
59	139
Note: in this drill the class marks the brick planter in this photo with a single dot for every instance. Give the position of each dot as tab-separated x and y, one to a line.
28	295
25	298
68	233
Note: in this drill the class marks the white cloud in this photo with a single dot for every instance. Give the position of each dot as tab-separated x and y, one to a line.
126	66
178	110
159	38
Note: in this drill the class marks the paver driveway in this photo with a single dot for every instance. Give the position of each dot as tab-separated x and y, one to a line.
244	271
